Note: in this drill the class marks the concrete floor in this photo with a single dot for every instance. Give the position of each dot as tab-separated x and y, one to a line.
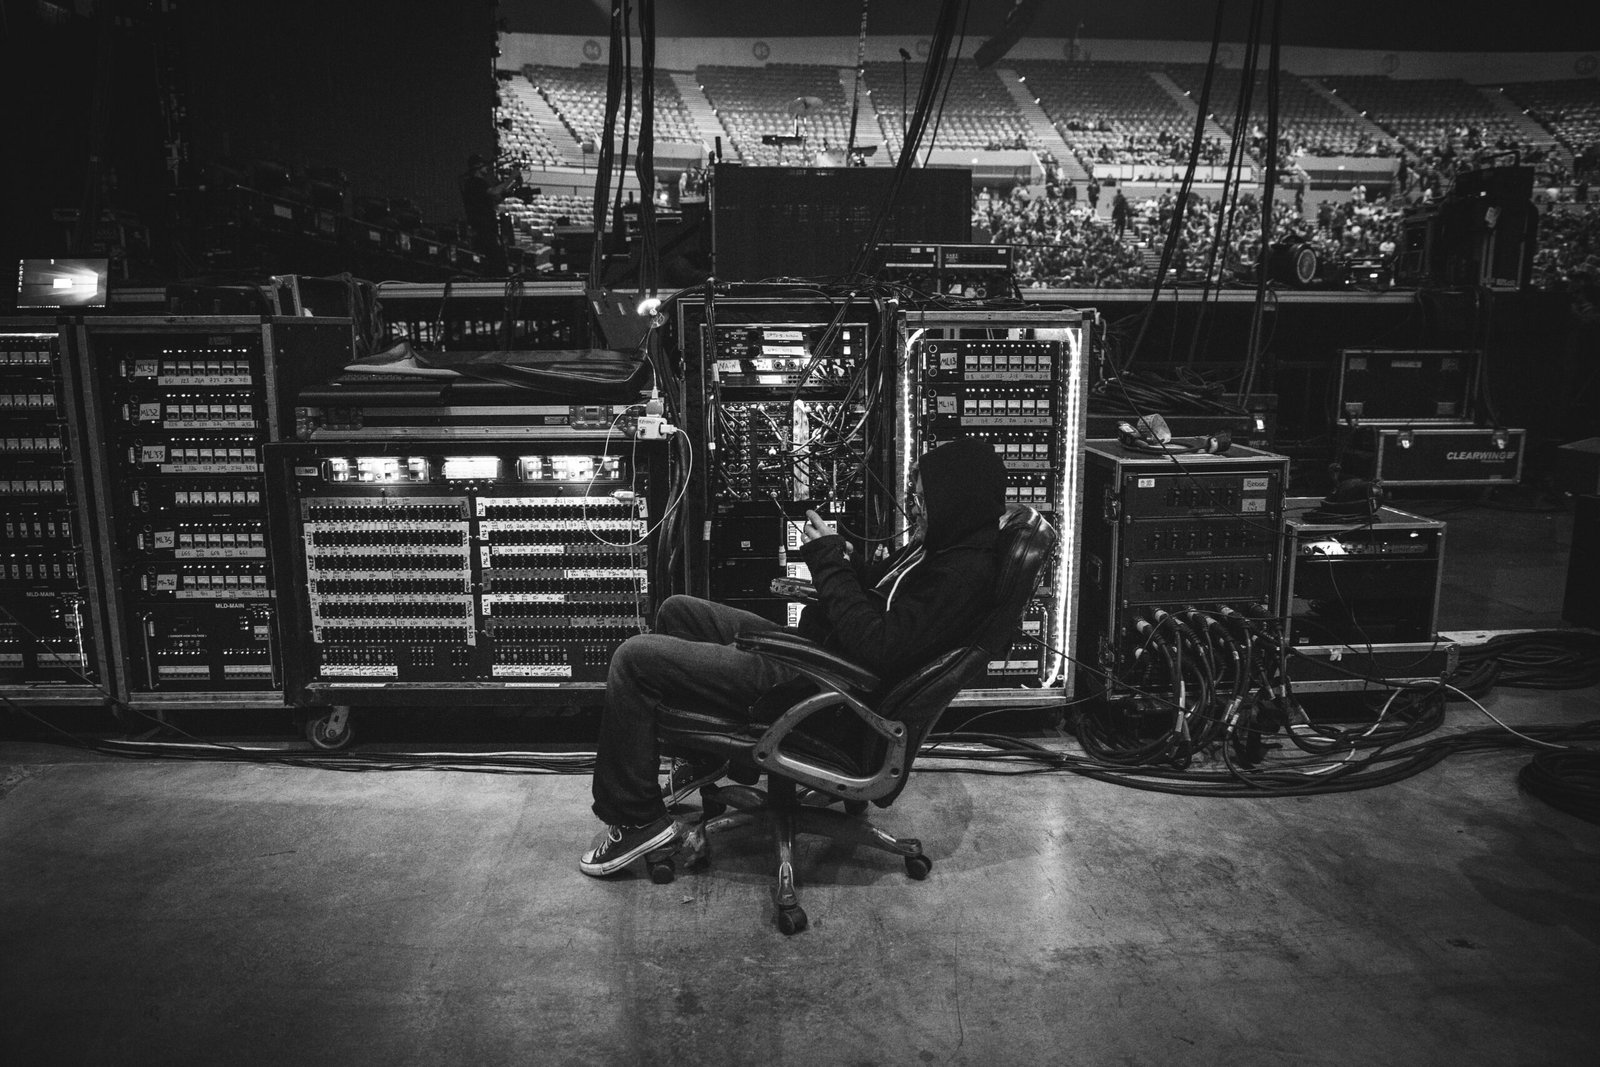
200	913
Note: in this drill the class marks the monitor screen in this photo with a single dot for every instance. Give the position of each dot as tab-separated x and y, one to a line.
59	283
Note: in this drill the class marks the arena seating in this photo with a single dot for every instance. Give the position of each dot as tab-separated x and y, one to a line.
1108	111
1117	113
525	143
754	101
1568	109
545	212
1425	114
979	112
578	95
1307	120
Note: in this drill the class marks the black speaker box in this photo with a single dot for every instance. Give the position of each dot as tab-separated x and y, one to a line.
1581	605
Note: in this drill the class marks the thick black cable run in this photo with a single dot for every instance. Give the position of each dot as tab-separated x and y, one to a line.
1567	781
618	231
1540	659
855	85
949	79
938	53
1202	112
1253	351
607	157
1232	185
645	158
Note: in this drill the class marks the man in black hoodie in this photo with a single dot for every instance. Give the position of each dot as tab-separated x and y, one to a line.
889	616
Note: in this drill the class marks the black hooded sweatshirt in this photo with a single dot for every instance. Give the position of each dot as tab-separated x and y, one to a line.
894	626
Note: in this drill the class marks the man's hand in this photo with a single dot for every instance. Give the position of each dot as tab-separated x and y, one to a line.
814	528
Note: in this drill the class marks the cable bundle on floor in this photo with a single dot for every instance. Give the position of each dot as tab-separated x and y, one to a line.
1540	659
1568	781
1140	392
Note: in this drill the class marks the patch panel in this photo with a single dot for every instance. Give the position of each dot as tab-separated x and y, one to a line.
185	406
50	646
438	565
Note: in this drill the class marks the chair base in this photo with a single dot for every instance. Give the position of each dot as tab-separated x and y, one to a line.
780	811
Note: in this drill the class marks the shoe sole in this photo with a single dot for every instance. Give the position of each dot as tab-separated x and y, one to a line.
616	863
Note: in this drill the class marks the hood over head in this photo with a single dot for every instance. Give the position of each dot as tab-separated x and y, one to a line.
964	485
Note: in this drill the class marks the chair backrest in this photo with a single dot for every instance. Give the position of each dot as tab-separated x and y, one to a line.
918	700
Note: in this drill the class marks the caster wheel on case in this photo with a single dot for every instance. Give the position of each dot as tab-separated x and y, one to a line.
330	732
918	867
792	920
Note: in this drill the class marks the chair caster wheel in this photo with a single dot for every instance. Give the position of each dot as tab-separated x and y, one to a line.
662	870
855	807
918	867
791	920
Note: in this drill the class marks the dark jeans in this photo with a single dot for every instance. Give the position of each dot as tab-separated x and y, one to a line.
689	662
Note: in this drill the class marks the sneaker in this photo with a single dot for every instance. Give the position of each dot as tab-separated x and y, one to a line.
686	776
617	846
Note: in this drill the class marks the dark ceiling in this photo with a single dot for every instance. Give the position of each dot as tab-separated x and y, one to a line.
1422	25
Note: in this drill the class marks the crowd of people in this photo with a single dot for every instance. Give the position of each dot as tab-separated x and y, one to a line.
1568	256
1163	148
1065	241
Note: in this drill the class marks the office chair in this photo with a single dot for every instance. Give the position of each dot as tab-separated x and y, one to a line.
841	732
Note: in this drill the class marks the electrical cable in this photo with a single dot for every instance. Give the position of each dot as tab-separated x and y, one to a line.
1568	781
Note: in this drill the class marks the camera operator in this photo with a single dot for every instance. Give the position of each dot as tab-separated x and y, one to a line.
481	194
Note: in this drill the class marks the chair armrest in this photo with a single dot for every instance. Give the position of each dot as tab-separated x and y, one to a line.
769	754
809	658
843	684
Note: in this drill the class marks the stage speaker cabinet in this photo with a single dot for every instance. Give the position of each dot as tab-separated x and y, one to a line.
1487	230
1581	604
1406	385
1416	260
769	222
1395	456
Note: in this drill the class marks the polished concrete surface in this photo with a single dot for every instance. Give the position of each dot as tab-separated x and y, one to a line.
207	913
